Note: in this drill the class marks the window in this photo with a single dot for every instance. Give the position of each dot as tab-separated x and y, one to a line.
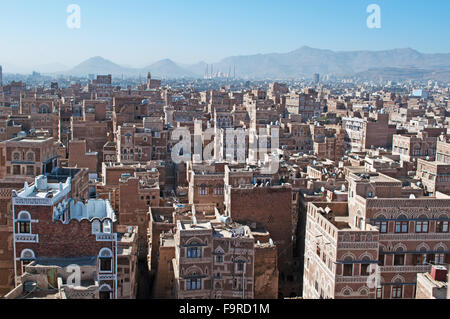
219	259
24	222
382	226
397	292
218	190
30	170
30	157
240	266
439	259
27	255
365	266
422	226
107	227
348	269
194	252
203	190
401	226
442	227
419	259
96	227
379	293
194	284
348	266
105	260
105	292
381	260
399	257
399	260
16	169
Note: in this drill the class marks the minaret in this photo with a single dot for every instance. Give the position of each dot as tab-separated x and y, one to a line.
149	80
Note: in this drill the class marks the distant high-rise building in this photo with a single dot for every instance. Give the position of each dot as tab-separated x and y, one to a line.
1	76
316	78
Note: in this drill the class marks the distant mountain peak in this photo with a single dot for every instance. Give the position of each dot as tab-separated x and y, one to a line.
301	63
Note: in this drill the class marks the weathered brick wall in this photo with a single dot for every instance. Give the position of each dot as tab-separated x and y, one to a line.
266	272
164	279
6	243
272	207
79	158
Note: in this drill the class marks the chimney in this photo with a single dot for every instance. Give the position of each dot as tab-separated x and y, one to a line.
439	273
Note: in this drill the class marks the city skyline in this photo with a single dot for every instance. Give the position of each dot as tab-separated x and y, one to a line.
204	31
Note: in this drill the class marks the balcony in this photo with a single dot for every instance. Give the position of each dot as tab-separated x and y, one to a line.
27	238
105	237
106	277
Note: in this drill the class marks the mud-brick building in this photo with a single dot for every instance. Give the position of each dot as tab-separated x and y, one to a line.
49	227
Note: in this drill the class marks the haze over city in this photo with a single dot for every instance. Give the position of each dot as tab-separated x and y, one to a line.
189	32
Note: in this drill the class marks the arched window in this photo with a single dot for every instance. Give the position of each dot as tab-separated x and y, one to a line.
401	225
439	257
397	289
218	190
27	255
96	227
348	266
24	223
105	257
422	225
347	292
30	156
382	224
107	226
399	257
105	292
194	252
442	224
365	266
16	156
203	190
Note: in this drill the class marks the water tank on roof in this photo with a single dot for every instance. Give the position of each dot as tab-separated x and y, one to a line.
41	183
226	220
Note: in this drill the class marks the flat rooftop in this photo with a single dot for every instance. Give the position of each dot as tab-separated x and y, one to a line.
43	189
190	225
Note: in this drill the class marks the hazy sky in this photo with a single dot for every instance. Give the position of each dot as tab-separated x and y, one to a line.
140	32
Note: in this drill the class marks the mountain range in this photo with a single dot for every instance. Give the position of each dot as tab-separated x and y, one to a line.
301	63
